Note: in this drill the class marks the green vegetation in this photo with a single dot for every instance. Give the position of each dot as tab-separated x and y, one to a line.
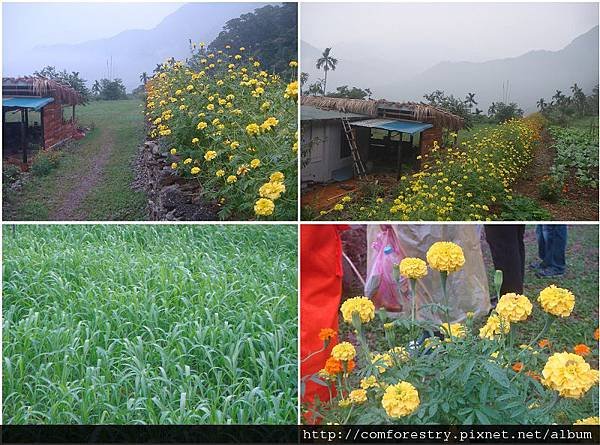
126	324
99	164
576	154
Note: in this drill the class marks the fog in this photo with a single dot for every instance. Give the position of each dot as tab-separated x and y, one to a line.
394	48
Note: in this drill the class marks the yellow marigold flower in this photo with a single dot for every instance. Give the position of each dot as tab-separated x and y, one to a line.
569	374
195	170
588	421
220	173
201	125
293	64
382	361
514	307
252	129
195	140
276	177
173	151
187	161
400	353
174	165
445	256
242	170
271	190
254	163
338	207
358	396
210	155
400	400
234	144
557	301
231	179
264	207
494	326
361	305
210	107
291	91
265	106
369	382
344	403
343	351
457	330
413	268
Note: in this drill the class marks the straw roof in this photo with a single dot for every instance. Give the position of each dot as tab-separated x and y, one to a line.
420	111
43	87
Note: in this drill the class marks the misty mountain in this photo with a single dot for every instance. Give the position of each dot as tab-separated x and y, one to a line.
530	76
134	51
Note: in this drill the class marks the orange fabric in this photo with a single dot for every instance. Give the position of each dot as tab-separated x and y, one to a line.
320	294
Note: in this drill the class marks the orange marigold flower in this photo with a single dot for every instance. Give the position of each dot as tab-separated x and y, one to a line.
534	375
581	349
333	366
544	343
596	334
327	334
517	367
350	365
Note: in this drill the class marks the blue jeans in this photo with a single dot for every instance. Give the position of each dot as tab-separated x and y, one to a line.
552	243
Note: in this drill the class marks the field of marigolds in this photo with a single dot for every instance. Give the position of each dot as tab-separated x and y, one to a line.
468	181
233	127
511	367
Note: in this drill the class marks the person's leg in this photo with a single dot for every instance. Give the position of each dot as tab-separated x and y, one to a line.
541	249
520	234
556	235
506	253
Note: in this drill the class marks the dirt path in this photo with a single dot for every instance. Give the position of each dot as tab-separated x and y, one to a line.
87	180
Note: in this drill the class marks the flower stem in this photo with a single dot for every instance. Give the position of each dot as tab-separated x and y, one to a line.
444	278
413	313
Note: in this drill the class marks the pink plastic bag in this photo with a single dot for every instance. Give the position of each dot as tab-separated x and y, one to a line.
382	286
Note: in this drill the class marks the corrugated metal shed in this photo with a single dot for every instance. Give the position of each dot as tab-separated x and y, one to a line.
26	102
410	127
308	113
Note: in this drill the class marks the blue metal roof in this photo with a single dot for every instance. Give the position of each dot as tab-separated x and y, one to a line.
26	102
401	126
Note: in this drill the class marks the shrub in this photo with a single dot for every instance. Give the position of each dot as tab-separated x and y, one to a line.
551	188
10	173
45	162
233	127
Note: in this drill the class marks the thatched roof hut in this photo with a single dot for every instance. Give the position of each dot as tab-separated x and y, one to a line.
383	108
40	87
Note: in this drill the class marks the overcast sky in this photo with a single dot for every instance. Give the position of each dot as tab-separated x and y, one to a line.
483	30
54	23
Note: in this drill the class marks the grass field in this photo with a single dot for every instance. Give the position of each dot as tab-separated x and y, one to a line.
120	324
94	175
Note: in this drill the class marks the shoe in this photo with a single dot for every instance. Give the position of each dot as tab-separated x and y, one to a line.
548	272
536	265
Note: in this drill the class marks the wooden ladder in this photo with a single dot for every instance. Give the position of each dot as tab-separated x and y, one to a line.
359	167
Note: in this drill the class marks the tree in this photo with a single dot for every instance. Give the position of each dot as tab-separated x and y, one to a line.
70	79
541	104
451	104
470	100
504	112
269	34
303	79
316	88
112	89
369	93
327	62
354	93
578	99
96	88
144	77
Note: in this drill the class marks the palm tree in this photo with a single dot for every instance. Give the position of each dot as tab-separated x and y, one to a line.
369	93
470	100
541	104
158	68
96	88
327	62
559	96
144	77
492	109
303	79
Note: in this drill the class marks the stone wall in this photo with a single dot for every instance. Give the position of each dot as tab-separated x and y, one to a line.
170	197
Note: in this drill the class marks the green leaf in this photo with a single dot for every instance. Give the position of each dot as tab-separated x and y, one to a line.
497	373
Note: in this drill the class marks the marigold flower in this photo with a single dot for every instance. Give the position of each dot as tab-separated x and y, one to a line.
569	374
494	326
581	349
400	400
220	173
557	301
333	366
534	375
174	165
264	207
271	190
210	155
344	403
252	129
596	334
514	307
276	177
543	343
327	334
414	268
338	207
456	330
588	421
173	151
445	257
517	366
361	305
382	361
358	396
369	382
231	179
188	161
291	91
399	353
195	170
343	351
254	163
